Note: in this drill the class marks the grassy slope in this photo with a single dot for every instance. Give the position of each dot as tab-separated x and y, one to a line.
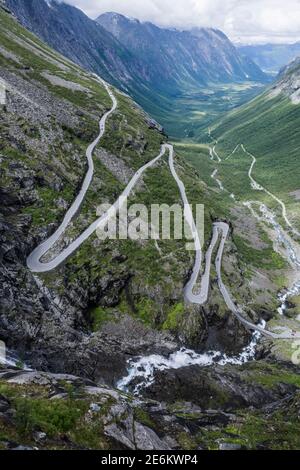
127	125
92	263
270	129
156	279
129	137
186	115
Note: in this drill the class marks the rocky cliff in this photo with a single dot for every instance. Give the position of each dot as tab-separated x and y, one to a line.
111	301
155	66
55	320
201	55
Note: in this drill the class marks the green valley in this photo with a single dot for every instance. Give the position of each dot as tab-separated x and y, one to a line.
135	341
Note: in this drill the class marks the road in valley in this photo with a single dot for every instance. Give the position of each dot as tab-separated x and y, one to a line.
36	265
223	229
258	187
219	182
33	261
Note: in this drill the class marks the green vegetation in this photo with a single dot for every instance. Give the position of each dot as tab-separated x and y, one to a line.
186	116
186	441
64	421
143	417
269	375
51	418
269	129
174	316
263	258
279	431
99	316
143	309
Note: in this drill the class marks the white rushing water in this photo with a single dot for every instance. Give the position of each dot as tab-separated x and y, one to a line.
14	362
141	370
269	217
292	257
10	359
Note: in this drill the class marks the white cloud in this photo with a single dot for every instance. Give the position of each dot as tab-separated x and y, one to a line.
253	21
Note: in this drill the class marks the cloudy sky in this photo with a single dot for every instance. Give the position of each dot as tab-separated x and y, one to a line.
246	21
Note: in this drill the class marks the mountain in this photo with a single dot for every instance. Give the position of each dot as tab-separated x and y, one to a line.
201	55
115	309
269	128
163	70
49	114
250	156
72	33
270	125
271	57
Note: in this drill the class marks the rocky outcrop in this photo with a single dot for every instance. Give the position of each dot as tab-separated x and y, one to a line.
288	82
66	412
224	388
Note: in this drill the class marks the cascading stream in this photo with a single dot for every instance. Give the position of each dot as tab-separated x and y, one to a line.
183	357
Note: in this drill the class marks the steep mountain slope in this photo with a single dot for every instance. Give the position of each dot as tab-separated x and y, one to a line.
271	57
49	115
117	299
201	55
254	166
269	126
166	74
251	157
77	37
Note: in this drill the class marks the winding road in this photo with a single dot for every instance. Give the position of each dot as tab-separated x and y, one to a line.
33	261
223	228
258	187
36	265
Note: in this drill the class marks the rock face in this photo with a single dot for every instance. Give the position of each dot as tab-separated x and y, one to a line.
288	82
77	37
224	388
62	411
141	59
201	54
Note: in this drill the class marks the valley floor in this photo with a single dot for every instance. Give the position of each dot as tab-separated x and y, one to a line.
139	344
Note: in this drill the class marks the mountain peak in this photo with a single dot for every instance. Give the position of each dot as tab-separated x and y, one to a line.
115	17
202	54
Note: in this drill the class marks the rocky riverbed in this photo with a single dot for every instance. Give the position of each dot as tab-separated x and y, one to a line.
185	409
